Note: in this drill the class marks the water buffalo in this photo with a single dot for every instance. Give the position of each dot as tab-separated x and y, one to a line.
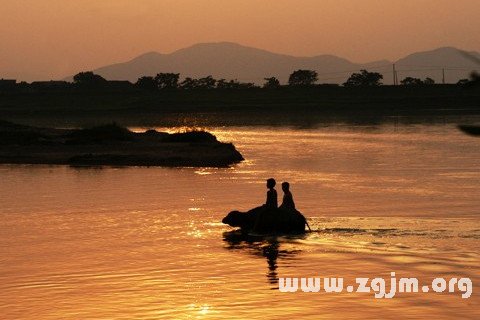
264	220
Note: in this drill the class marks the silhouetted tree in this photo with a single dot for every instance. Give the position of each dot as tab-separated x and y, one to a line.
206	83
247	85
271	82
188	84
474	81
233	84
147	83
167	80
303	78
475	76
223	84
23	85
89	80
364	79
409	81
428	81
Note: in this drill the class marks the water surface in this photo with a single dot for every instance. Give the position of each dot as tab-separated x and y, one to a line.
146	243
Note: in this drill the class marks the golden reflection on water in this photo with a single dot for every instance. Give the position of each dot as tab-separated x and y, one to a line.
147	243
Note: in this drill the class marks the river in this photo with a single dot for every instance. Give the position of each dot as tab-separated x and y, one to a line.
148	243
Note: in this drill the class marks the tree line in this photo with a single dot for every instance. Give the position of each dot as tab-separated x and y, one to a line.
298	78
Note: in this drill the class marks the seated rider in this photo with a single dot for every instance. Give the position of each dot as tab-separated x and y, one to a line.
272	201
287	202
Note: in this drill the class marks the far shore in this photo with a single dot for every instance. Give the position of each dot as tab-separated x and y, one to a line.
302	106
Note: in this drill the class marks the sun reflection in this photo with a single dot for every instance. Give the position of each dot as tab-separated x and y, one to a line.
173	129
194	232
203	172
200	310
204	309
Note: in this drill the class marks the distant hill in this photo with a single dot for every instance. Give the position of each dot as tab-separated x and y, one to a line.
431	64
233	61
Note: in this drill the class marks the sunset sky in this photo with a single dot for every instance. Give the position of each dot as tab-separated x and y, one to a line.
48	39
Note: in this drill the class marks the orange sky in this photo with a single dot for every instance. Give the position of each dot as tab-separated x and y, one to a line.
43	39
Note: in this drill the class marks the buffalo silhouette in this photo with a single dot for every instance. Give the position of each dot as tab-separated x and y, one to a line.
263	220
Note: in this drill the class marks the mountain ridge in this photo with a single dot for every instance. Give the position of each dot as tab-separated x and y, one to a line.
228	60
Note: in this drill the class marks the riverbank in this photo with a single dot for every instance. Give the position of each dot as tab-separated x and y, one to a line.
239	107
112	145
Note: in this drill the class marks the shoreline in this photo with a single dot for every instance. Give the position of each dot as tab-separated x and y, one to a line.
304	106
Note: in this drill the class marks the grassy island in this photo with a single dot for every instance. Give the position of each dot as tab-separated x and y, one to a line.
112	145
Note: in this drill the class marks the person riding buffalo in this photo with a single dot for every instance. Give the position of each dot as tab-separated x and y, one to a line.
272	201
287	202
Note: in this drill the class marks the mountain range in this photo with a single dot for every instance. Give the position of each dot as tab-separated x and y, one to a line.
226	60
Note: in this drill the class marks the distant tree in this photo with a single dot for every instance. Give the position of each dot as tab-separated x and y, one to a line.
474	81
167	80
271	82
303	78
233	84
206	83
409	81
428	81
23	85
146	83
247	85
188	84
89	80
223	84
364	79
